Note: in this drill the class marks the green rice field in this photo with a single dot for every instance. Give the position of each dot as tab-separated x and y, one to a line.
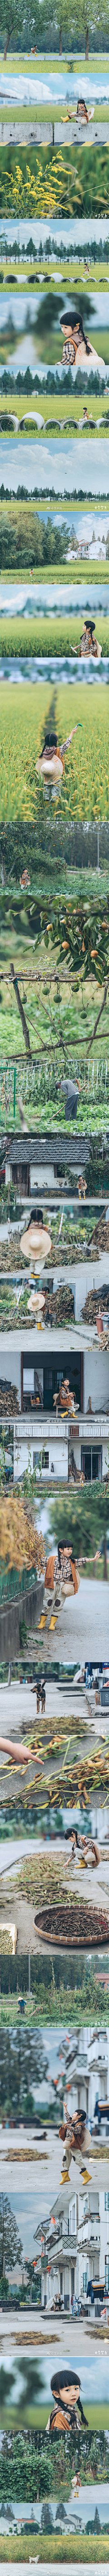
24	719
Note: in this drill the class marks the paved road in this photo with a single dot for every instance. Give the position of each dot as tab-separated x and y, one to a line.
82	1626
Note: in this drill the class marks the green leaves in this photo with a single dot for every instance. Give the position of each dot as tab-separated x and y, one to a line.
81	936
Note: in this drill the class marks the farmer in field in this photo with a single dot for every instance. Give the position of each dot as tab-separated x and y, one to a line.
68	2409
89	642
50	765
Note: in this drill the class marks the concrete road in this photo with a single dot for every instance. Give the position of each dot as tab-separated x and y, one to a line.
32	2329
82	1626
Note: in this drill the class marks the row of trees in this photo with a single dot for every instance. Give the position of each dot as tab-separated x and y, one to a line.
44	29
31	2467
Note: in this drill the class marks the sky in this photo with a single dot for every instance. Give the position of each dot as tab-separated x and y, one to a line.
56	598
14	229
58	84
54	467
95	522
93	2374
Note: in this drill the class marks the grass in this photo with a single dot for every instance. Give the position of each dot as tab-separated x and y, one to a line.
59	410
74	2549
70	573
47	1042
49	2002
40	633
50	112
68	271
70	60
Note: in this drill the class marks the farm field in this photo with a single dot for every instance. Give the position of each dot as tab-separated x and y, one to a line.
50	111
58	410
24	721
55	1991
83	270
28	635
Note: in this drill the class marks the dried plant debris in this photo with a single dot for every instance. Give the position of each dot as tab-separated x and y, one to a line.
12	1256
71	1925
58	1916
89	1774
72	1241
20	1542
99	1241
6	1942
58	1306
9	1403
94	1298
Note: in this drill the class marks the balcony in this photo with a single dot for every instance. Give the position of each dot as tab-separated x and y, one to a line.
88	2236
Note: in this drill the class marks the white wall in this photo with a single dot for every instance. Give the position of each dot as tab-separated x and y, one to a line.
96	1379
57	1452
10	1367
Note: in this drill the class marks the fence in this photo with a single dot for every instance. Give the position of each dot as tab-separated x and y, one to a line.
12	1584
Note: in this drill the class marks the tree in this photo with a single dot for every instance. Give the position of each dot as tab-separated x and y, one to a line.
10	2241
80	934
23	2064
45	28
83	1522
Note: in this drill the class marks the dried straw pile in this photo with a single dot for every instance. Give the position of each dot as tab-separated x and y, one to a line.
20	1543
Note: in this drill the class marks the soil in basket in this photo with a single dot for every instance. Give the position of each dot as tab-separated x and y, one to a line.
72	1924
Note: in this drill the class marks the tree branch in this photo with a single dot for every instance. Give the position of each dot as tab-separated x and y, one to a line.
99	1013
20	1009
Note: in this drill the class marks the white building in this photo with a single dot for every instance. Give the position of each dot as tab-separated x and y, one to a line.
75	2247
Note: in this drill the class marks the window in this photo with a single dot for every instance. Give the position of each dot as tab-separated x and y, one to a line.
42	2289
83	2280
61	2282
91	1462
45	1457
35	1457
